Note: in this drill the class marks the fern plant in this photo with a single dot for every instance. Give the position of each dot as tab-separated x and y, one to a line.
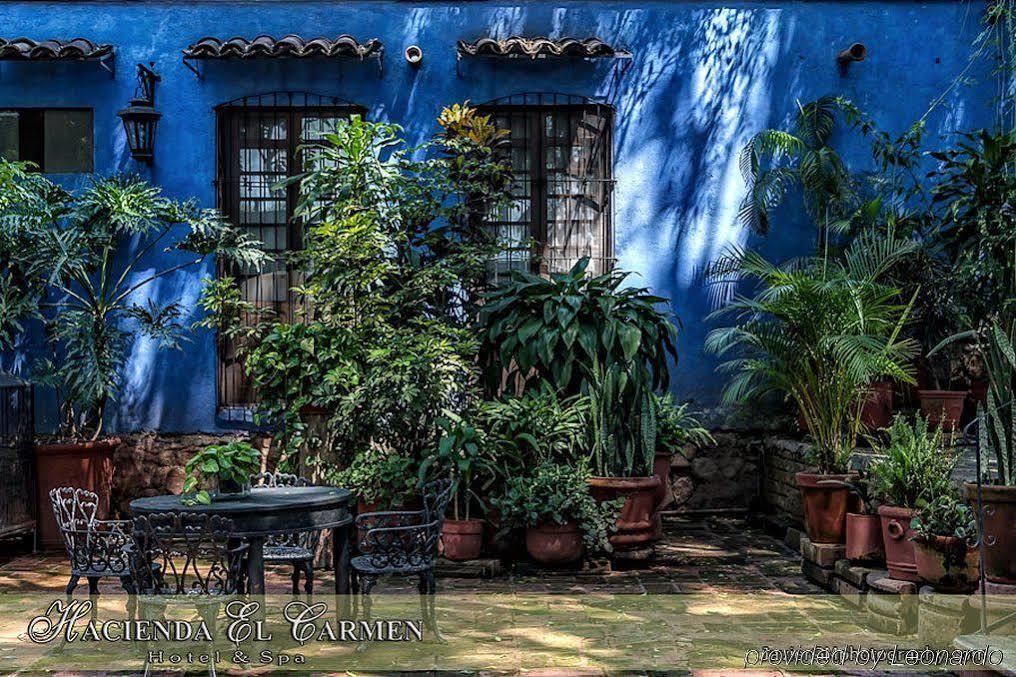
79	263
819	332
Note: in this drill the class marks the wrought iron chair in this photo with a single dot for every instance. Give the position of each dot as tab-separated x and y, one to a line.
296	548
185	558
96	548
405	543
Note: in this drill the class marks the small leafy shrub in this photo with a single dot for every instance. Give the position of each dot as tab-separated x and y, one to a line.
916	466
677	426
558	494
384	479
462	456
231	464
945	516
536	426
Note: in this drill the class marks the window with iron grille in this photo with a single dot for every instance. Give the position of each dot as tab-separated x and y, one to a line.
560	211
258	137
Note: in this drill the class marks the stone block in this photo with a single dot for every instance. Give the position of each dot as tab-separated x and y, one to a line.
887	624
815	573
823	554
941	618
882	583
855	573
849	592
793	538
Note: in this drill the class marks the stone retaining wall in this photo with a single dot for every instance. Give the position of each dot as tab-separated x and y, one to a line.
723	477
150	464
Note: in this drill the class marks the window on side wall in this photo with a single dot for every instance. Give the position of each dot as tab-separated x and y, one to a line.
57	141
257	148
561	198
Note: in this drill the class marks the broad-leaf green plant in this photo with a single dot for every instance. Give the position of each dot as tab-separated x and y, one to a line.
229	466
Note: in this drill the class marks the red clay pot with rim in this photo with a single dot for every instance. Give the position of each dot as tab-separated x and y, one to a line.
825	506
635	524
864	538
877	410
999	531
462	539
943	408
899	548
554	544
948	563
85	465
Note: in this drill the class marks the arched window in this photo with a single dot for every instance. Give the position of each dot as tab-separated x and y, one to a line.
257	138
562	156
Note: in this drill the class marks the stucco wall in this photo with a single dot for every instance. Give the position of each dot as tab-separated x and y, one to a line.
705	76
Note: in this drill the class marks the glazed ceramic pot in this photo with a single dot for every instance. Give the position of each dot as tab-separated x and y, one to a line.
899	548
85	465
554	544
999	531
462	539
948	563
635	525
825	506
943	408
864	538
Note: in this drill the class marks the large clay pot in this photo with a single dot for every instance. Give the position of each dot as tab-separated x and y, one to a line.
554	544
948	563
999	531
943	408
877	411
462	539
825	506
864	538
661	469
85	465
635	525
899	549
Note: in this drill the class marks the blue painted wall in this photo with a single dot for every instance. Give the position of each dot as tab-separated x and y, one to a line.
705	77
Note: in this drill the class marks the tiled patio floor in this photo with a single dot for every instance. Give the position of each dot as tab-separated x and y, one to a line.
707	555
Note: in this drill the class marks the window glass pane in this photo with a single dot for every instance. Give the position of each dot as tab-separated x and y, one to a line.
9	135
67	141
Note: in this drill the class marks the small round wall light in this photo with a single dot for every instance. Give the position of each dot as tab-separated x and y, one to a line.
414	55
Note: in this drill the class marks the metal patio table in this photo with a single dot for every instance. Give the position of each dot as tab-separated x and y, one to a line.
270	511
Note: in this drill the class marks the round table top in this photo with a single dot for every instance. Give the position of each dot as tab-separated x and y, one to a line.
261	500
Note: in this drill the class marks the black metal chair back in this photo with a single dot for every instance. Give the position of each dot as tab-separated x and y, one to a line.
180	553
406	541
95	547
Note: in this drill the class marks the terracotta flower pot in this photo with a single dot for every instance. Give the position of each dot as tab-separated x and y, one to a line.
661	469
943	408
85	465
554	544
877	411
635	525
948	563
899	549
864	538
999	531
462	539
825	506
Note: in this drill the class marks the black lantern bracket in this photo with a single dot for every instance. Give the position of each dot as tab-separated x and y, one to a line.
140	117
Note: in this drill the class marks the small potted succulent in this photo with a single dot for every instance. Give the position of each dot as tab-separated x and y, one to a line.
911	469
944	538
554	505
220	472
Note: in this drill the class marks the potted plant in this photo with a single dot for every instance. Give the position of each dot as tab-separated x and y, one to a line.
913	467
462	455
80	267
220	472
553	503
863	527
589	336
944	538
819	331
676	428
380	481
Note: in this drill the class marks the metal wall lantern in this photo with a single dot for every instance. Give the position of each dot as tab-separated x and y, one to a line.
140	117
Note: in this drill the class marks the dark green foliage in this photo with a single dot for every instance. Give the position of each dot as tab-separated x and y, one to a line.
945	516
915	466
229	464
387	480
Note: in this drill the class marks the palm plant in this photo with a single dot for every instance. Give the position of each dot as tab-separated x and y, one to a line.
775	160
79	263
819	331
